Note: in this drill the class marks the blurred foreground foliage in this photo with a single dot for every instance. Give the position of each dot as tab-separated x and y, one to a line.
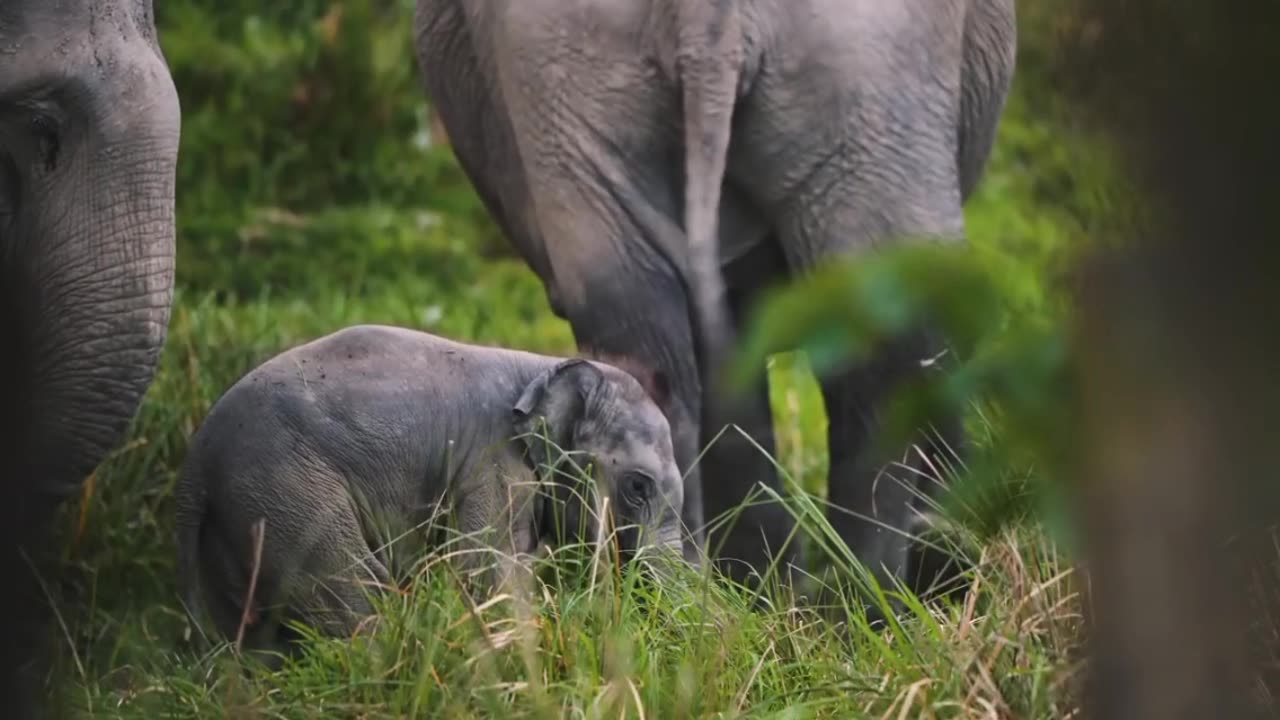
1012	370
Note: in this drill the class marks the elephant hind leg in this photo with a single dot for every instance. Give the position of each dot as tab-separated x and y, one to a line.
342	574
639	313
340	604
239	594
606	201
747	530
869	198
314	566
876	500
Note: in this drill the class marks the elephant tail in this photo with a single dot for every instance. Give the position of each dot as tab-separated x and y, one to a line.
710	61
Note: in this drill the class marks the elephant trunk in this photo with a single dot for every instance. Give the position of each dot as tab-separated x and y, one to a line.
665	556
92	286
667	544
673	539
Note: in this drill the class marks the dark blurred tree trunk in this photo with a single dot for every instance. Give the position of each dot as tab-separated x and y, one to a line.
1178	337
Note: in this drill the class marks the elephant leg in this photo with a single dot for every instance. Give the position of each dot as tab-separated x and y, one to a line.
615	282
933	568
868	159
746	538
335	593
875	499
641	317
338	604
26	542
605	198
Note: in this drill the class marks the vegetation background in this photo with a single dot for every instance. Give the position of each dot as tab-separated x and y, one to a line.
312	194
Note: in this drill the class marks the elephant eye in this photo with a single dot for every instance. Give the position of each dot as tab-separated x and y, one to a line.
637	488
46	132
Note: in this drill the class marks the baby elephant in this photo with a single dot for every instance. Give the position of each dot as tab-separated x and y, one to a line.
309	466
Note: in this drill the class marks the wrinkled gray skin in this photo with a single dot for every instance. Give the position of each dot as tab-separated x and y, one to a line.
89	125
348	442
814	129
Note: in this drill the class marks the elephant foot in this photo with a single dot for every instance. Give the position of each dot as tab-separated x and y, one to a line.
771	570
937	569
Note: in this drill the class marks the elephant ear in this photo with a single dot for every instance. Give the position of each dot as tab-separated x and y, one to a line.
558	397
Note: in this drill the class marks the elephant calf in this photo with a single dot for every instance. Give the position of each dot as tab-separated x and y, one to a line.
331	449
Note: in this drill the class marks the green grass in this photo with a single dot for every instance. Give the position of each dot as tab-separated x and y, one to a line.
254	284
616	649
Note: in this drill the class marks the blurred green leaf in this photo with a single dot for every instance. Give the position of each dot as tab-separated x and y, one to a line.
840	312
1016	364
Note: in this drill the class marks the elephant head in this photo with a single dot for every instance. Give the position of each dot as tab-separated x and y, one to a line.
89	127
606	420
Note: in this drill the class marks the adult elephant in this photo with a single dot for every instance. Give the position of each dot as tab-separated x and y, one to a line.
659	162
89	126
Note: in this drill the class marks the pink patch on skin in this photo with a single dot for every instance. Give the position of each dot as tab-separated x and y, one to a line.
654	383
